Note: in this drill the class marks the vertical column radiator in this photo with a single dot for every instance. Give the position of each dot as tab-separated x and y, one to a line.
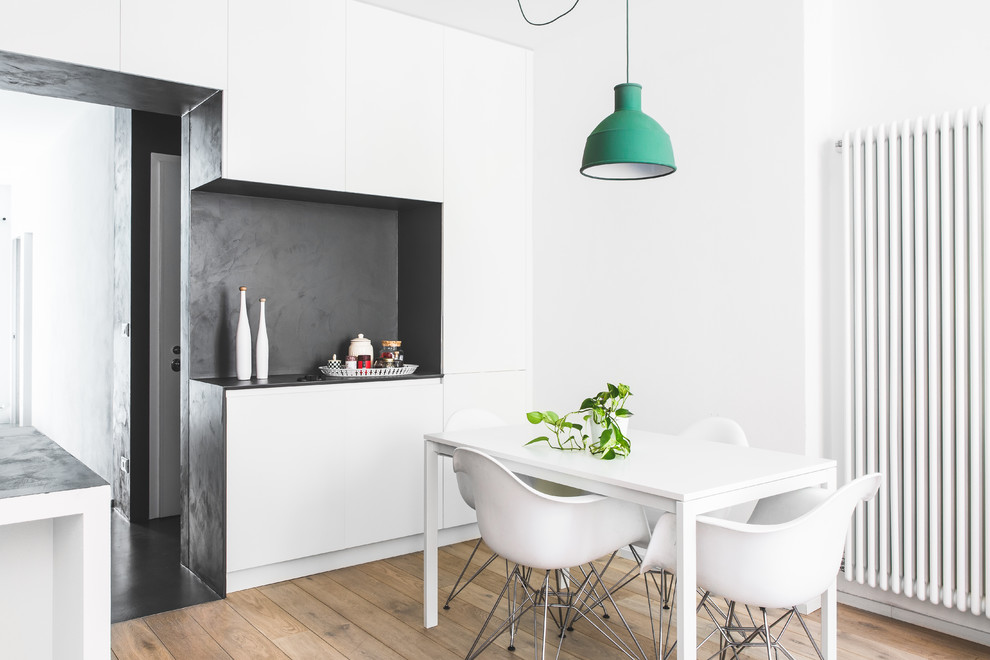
916	248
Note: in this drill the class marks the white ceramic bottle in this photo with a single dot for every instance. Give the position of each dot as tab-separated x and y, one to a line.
261	352
242	340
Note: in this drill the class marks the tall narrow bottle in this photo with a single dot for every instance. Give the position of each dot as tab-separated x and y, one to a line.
242	345
261	352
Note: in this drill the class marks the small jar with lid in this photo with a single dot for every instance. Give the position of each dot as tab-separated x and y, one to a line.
360	345
392	349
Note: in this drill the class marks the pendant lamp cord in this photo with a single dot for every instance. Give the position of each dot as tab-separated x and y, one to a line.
526	18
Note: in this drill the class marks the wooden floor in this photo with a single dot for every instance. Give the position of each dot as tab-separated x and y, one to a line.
375	611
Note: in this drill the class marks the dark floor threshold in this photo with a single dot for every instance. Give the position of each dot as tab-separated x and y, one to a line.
145	574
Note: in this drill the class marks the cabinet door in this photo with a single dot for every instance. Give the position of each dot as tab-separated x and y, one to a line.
284	102
286	492
384	456
394	104
486	204
504	393
158	40
68	30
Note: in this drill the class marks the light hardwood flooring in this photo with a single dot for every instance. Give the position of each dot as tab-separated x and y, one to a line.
375	611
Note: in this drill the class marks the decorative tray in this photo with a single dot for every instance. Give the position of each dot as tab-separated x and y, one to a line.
341	372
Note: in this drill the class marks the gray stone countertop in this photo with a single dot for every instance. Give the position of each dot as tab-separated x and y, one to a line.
293	379
32	464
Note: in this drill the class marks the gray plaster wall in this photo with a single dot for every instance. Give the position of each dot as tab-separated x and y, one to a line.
205	516
328	272
120	481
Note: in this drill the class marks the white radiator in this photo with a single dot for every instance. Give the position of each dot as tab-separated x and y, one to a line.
917	251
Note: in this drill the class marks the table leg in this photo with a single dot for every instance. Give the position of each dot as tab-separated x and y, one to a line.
829	624
830	610
81	576
430	542
96	573
687	560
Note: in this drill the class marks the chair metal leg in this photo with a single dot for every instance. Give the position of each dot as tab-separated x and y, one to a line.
529	601
511	606
729	615
808	633
660	650
454	590
585	608
766	631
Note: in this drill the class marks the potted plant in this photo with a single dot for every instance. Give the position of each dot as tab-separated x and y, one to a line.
606	417
608	421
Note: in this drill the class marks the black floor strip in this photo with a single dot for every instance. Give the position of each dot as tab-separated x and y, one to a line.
146	577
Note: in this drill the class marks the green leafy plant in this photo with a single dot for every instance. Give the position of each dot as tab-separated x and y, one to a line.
602	413
563	431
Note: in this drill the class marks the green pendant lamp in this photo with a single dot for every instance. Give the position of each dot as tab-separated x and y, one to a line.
628	144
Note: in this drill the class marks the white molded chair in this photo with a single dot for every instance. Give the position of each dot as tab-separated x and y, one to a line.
788	554
546	533
478	418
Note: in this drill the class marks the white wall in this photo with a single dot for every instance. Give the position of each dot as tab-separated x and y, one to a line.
64	196
688	288
5	305
895	59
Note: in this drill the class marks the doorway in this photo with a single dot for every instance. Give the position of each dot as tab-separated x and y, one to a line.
128	437
152	282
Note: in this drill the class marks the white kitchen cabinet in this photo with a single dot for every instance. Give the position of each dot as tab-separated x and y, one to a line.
182	40
318	468
284	100
79	32
486	216
394	104
384	479
504	393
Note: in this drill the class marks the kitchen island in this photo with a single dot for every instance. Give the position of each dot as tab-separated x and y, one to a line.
54	551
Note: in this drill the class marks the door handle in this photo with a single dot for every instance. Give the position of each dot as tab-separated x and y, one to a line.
176	350
176	364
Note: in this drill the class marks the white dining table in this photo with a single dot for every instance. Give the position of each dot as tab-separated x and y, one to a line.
668	472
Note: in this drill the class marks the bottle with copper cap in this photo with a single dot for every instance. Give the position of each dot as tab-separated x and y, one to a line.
261	351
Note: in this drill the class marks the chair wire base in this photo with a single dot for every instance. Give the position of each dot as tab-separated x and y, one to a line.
759	632
564	603
733	634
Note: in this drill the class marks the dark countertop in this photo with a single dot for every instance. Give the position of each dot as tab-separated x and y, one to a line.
32	464
293	379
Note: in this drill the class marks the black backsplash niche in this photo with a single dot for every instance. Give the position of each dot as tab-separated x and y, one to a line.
327	271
